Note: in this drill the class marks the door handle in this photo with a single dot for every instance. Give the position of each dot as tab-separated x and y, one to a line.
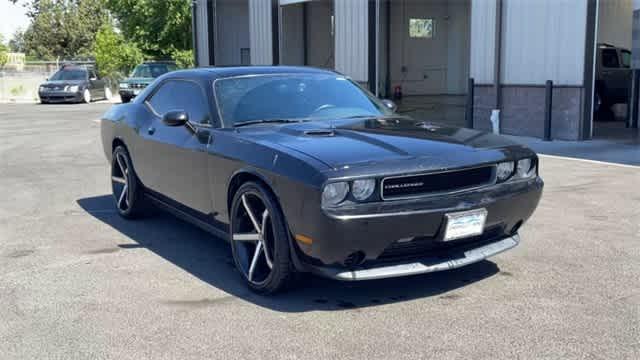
151	130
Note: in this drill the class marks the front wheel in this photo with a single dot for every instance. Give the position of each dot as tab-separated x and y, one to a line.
86	96
127	191
260	239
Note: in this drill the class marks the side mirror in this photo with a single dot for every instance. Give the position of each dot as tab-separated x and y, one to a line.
390	105
175	118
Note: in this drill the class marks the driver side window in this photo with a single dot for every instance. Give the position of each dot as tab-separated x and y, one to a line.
181	95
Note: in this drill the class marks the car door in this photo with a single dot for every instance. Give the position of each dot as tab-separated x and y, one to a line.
96	85
175	157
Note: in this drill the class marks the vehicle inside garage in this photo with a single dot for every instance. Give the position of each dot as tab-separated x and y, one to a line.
613	117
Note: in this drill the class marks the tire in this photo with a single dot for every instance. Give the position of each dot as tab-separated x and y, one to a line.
86	96
107	93
125	99
125	185
260	240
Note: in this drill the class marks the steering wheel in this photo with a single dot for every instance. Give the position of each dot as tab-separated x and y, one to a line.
323	107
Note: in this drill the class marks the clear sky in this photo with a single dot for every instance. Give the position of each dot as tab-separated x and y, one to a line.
12	17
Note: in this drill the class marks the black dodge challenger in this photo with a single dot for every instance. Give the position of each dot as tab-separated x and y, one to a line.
302	170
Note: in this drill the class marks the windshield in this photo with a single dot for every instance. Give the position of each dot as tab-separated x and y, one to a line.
152	70
78	74
293	97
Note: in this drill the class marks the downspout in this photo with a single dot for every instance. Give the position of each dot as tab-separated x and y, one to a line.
211	18
275	31
194	31
495	114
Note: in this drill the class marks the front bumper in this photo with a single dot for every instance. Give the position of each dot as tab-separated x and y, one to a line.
452	260
60	96
403	232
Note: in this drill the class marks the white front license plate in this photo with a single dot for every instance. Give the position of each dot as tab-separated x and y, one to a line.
465	224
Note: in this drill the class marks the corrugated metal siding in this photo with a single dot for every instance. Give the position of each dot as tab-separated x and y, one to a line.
543	40
260	32
352	38
202	33
483	24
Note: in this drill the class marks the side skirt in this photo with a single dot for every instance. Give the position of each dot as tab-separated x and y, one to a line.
186	214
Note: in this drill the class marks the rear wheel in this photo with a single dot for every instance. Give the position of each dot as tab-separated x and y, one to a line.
107	93
127	191
260	239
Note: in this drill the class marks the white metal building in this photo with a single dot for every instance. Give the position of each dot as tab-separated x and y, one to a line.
430	49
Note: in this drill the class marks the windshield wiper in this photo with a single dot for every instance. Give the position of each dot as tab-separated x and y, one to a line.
266	121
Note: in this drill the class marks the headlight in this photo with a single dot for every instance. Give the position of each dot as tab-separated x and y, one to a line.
42	89
334	193
526	168
362	189
124	86
73	88
504	171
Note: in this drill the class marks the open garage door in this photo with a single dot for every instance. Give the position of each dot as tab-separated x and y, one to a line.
614	116
307	33
428	45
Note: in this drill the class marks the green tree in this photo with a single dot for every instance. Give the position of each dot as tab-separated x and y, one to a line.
16	43
114	56
3	52
63	29
160	28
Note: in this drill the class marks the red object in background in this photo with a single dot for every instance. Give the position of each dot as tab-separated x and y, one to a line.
397	92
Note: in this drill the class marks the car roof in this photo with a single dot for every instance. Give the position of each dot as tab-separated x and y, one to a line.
231	71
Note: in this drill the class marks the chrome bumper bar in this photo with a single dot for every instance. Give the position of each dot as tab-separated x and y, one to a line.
426	265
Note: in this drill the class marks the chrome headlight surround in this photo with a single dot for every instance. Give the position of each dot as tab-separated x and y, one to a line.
71	88
504	171
334	193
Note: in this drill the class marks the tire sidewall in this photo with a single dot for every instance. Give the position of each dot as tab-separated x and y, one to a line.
86	96
282	268
132	182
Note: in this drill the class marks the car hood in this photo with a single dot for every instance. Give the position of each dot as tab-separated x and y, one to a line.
370	142
139	80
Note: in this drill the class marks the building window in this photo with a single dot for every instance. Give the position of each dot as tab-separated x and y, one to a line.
421	28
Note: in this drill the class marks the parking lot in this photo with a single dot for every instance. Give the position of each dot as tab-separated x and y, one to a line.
79	282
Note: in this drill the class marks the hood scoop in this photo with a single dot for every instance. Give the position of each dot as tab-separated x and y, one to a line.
320	132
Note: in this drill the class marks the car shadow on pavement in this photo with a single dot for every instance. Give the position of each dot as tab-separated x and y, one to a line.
209	259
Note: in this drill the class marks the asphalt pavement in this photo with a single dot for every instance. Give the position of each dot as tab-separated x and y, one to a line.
79	282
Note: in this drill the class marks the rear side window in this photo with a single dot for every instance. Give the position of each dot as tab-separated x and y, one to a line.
626	59
610	58
181	95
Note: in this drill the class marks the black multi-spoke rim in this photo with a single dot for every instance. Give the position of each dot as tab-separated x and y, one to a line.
120	182
252	238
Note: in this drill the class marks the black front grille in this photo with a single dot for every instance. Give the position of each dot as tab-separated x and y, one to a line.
138	86
416	185
422	247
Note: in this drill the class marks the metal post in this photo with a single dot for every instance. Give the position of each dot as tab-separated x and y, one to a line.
470	94
548	105
632	106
